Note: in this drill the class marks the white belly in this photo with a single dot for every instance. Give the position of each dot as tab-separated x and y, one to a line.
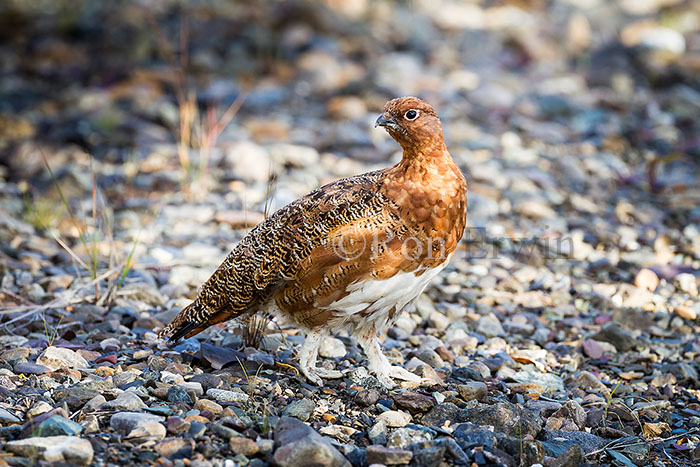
376	300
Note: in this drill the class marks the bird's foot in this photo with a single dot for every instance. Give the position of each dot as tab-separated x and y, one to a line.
392	371
314	374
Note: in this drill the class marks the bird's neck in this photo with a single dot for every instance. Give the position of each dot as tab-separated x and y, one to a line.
425	158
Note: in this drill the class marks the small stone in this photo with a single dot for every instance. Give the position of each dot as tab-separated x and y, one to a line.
127	400
490	326
208	406
301	409
58	426
207	380
572	412
387	456
394	418
646	279
177	425
509	418
614	334
469	436
367	397
592	349
378	433
570	458
332	348
57	358
95	403
30	368
193	386
69	449
472	390
175	448
245	446
222	395
688	284
90	424
401	438
414	402
685	312
7	417
298	445
138	425
587	380
38	408
177	394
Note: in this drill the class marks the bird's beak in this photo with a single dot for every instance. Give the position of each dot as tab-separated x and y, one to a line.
383	120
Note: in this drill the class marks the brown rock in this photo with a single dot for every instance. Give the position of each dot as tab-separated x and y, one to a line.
414	402
245	446
175	448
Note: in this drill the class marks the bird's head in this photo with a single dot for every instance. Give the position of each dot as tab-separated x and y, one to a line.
413	123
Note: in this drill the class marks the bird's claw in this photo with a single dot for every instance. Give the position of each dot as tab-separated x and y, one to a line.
314	375
397	372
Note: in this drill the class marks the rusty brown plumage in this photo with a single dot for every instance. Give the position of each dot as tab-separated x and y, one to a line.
352	253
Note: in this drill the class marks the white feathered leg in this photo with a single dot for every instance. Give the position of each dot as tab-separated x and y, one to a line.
378	363
308	354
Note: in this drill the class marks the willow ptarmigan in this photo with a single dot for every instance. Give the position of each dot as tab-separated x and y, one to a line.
351	254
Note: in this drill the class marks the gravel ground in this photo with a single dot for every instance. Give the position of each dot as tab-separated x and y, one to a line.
563	333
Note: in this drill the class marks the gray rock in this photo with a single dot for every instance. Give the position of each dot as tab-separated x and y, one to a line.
57	426
614	334
443	412
222	395
401	438
298	445
430	453
7	417
469	435
472	390
571	458
138	425
490	326
378	433
57	358
31	368
69	449
124	401
530	451
556	443
573	411
81	393
505	417
178	394
387	456
247	161
332	348
301	409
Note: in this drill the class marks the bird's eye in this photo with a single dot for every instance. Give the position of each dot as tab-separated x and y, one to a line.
411	114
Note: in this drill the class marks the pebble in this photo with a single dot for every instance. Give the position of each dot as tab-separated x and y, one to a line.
472	390
387	456
138	425
331	348
209	406
301	409
125	401
298	445
394	418
222	395
69	449
57	358
58	426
